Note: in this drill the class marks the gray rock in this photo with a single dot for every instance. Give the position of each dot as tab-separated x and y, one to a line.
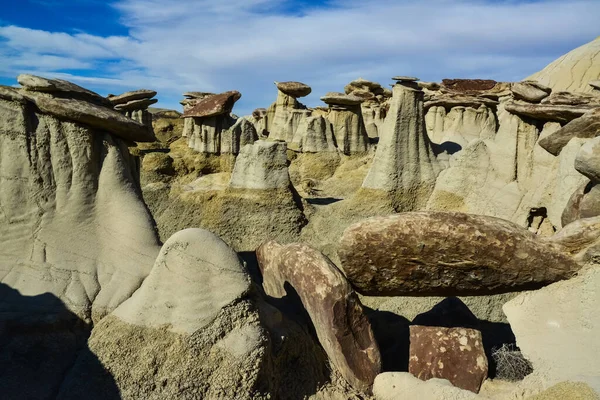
11	94
239	135
262	165
459	100
528	92
405	78
586	126
595	84
342	99
133	95
60	88
548	112
213	105
140	104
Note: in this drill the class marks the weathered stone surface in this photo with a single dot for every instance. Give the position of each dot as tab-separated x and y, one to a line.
528	91
139	104
94	115
61	88
334	308
557	327
133	95
572	99
455	354
595	84
402	385
464	85
584	203
568	390
459	100
404	163
405	78
214	105
262	165
238	136
334	98
548	112
587	161
349	129
11	94
198	95
294	89
587	126
446	253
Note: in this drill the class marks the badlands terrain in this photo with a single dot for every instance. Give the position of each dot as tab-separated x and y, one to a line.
419	240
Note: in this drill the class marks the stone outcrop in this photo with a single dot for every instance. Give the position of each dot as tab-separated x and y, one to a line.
135	105
334	308
262	165
214	105
584	203
128	97
455	354
59	88
556	329
284	116
404	165
447	254
468	85
239	135
585	127
548	112
374	106
587	161
574	70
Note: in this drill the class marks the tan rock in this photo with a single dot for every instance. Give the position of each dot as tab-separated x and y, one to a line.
455	354
348	129
294	89
584	203
528	91
60	88
587	162
261	165
334	308
444	253
126	97
137	104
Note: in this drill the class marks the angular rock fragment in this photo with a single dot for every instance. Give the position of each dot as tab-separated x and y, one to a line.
587	125
584	203
214	105
529	91
334	308
459	100
455	354
405	78
587	162
572	99
136	104
447	254
465	85
595	84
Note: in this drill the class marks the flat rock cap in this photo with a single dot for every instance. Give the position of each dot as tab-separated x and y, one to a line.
214	105
197	95
132	95
294	89
405	78
342	99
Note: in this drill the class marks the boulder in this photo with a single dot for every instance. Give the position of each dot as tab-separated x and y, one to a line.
315	135
127	97
402	385
584	203
214	105
261	165
429	85
528	91
459	100
239	135
334	308
294	89
342	99
556	328
455	354
404	164
586	126
548	112
361	83
449	254
587	162
405	78
61	88
466	85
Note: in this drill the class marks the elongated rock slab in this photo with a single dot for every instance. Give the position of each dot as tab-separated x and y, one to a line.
447	254
455	354
334	308
588	126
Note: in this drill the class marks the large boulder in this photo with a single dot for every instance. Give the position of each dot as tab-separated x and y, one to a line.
128	97
530	91
585	127
455	354
334	308
211	106
445	253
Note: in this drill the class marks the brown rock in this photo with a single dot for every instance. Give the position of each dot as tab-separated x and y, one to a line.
455	354
133	95
587	126
548	112
342	99
294	89
334	308
214	105
60	88
11	94
463	85
447	254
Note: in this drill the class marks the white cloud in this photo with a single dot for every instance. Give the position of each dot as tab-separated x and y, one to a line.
246	44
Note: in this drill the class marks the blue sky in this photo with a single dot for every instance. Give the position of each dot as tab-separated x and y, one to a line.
213	45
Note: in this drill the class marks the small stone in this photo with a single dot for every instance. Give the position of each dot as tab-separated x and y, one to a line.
405	79
528	92
462	362
595	84
197	95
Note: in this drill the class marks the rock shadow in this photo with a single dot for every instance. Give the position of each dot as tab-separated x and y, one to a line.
392	335
322	201
453	313
41	343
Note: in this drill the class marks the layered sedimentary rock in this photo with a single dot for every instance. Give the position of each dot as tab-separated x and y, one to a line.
447	254
455	354
404	165
334	308
530	91
588	126
573	70
135	105
374	106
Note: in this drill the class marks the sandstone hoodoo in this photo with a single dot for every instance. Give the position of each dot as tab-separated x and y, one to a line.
334	308
447	254
455	354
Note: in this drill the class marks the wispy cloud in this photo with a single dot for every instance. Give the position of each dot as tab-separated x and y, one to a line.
246	44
